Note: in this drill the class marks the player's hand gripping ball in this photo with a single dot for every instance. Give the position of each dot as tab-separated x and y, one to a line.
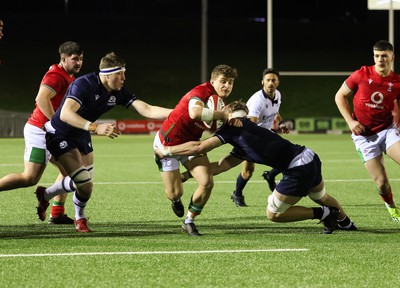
214	102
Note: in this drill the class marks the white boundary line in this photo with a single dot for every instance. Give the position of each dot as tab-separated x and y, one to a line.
152	252
216	182
222	182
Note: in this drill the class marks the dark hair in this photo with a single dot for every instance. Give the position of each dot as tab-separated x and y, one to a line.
237	105
270	70
69	48
383	45
224	70
111	60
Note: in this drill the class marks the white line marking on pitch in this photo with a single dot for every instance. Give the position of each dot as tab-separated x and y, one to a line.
221	182
152	252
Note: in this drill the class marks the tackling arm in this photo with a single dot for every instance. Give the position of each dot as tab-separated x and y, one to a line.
190	148
150	111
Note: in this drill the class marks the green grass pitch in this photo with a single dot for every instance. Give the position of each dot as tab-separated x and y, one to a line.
137	241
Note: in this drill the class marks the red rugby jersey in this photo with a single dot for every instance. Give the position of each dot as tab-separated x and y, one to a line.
374	98
58	80
179	128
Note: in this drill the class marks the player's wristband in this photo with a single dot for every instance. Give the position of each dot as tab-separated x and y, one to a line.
93	127
87	124
207	114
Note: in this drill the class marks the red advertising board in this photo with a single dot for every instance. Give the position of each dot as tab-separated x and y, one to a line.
138	126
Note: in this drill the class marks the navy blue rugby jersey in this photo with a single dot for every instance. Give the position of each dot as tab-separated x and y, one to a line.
94	99
259	145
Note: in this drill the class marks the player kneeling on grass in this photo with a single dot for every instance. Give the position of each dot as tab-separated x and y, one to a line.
301	169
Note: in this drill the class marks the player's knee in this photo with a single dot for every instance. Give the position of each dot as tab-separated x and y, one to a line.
31	181
317	196
210	184
274	217
173	193
83	181
206	183
90	169
276	208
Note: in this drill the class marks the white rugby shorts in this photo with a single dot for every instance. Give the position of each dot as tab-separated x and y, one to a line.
35	145
170	163
370	147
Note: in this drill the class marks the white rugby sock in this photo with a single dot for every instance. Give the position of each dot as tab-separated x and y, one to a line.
79	208
63	186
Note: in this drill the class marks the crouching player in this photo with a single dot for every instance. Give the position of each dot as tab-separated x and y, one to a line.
300	166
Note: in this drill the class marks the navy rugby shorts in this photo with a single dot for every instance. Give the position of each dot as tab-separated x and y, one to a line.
59	145
299	180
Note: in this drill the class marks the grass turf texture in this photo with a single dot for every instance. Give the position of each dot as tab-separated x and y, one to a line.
129	213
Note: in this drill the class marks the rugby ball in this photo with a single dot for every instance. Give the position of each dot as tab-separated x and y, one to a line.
214	102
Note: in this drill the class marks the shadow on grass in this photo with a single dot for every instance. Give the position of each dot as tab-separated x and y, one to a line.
226	226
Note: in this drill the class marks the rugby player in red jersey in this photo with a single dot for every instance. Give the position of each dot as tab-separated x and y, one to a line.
185	123
374	90
51	92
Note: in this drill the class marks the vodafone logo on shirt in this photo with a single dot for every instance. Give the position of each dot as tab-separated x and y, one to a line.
376	99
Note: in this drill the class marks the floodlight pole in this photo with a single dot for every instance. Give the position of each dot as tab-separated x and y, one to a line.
391	26
391	23
66	7
269	35
204	36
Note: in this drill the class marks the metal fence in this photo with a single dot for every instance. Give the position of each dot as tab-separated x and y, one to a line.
12	123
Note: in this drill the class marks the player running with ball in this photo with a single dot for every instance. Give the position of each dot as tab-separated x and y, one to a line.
185	123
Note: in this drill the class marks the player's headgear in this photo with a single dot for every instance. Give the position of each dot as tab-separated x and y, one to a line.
238	109
111	63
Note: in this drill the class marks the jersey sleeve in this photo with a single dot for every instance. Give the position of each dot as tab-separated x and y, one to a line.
78	90
353	80
54	82
127	98
254	106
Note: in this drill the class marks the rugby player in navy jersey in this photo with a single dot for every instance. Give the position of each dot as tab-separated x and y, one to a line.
68	135
301	169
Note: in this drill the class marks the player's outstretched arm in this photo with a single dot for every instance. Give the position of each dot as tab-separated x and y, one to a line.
190	148
150	111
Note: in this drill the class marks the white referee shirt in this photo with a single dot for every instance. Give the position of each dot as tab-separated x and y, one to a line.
263	108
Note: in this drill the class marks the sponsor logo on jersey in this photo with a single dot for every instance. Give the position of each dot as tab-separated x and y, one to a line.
376	99
112	101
